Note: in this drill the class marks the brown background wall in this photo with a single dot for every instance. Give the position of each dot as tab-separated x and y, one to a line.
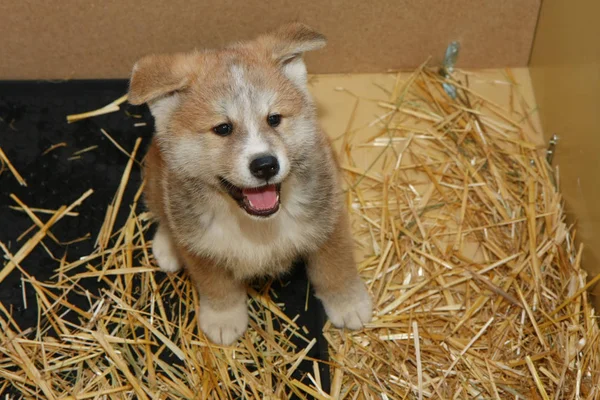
565	70
102	39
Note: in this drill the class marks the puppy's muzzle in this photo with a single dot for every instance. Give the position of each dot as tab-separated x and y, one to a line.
264	167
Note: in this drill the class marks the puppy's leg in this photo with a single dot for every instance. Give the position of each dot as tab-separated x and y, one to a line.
223	314
332	272
164	250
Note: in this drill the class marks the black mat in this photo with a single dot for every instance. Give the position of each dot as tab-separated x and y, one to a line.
32	118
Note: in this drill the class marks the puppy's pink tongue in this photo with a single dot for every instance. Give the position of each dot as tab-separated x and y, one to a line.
263	198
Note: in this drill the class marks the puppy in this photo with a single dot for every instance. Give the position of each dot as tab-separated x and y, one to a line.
242	180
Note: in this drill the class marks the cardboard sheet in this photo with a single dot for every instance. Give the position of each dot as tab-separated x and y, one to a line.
565	68
102	39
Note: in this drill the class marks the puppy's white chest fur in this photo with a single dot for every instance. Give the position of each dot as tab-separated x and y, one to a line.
250	246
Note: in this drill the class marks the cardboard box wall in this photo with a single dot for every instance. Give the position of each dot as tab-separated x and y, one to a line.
103	38
565	72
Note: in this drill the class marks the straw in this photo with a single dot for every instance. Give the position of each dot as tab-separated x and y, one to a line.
107	109
480	278
5	161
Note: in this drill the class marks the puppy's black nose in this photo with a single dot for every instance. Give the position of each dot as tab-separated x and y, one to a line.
264	167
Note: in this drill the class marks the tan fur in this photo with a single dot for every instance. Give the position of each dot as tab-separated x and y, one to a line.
200	225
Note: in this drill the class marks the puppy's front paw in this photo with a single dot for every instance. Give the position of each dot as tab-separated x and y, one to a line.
351	309
223	327
164	252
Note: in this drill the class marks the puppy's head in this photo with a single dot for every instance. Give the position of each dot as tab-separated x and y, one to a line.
239	119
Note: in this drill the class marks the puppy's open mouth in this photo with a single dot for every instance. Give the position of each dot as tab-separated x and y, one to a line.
261	201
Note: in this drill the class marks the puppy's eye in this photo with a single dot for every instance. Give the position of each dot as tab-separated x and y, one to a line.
274	120
223	129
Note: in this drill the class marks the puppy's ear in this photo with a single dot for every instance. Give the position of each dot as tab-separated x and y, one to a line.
156	76
292	40
287	45
156	79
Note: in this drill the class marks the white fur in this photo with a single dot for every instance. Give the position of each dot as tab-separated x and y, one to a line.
237	74
284	166
255	146
350	310
296	72
248	246
251	106
162	109
223	327
164	251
